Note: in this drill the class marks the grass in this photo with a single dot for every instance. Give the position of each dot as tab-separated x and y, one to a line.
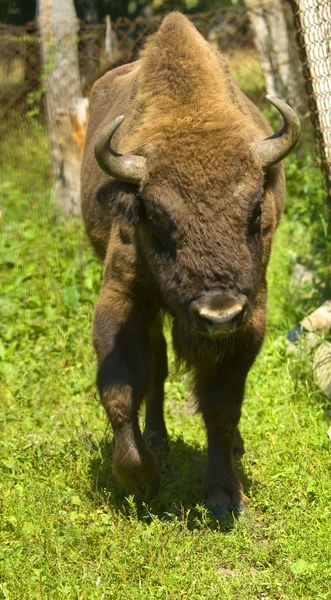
11	71
245	64
68	531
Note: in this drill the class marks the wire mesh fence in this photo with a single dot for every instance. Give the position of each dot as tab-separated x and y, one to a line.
108	45
20	67
313	25
233	30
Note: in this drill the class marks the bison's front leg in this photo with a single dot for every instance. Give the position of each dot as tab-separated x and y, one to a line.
220	397
123	345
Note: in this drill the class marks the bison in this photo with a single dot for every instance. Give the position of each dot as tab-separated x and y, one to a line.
182	190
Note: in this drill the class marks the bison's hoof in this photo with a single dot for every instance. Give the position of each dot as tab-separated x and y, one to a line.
136	471
221	513
146	491
225	496
157	440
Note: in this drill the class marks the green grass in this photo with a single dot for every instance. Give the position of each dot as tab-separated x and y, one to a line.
67	530
246	67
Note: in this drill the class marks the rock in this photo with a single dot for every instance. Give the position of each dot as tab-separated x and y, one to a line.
316	323
322	368
320	319
302	274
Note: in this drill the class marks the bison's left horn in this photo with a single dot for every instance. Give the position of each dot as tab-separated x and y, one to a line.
273	149
130	168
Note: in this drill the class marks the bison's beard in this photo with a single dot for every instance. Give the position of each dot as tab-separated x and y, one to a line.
198	350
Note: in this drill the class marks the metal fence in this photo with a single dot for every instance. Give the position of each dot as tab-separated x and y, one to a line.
313	25
107	45
20	67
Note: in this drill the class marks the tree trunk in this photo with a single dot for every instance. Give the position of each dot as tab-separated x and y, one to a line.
63	96
279	58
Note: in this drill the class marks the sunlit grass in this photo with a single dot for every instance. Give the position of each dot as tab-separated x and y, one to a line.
245	64
11	70
68	531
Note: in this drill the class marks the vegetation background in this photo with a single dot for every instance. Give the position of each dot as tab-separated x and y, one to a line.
19	12
67	529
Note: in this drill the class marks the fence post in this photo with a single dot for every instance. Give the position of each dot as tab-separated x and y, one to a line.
281	68
58	29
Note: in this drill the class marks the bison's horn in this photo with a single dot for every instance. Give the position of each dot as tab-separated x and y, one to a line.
273	149
129	168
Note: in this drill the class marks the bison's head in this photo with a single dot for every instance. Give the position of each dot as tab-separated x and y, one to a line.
207	211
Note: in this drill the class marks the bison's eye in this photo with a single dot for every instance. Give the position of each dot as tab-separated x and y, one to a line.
255	218
158	224
157	220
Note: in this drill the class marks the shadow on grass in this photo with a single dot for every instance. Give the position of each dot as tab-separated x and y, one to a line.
180	496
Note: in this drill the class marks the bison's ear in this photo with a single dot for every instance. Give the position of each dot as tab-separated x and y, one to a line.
120	199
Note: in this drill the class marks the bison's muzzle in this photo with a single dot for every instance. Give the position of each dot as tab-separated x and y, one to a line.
218	313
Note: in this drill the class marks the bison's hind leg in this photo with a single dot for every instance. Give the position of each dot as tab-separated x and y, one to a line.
220	393
155	428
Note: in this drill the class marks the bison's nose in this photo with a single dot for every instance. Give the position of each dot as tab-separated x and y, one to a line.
218	314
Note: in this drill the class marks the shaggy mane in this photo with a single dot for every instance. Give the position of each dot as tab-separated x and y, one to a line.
184	87
181	66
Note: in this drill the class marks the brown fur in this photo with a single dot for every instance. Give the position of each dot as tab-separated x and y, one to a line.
186	115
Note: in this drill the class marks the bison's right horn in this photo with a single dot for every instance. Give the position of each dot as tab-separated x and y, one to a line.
129	168
273	149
